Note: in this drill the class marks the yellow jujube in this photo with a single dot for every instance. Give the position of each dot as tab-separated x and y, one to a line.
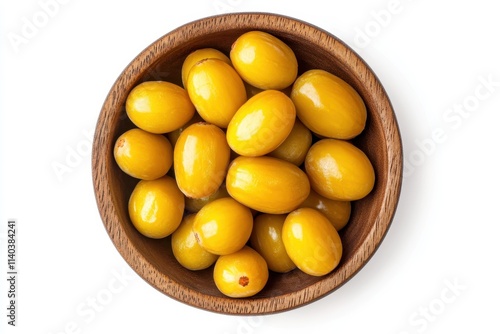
311	241
241	274
267	184
216	90
328	105
142	154
223	226
156	207
201	157
339	170
261	124
159	106
263	60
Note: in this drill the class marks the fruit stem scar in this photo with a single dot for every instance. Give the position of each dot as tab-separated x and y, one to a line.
243	281
120	143
202	61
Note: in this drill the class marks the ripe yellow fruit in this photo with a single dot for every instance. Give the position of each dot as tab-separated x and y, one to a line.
156	207
187	250
263	60
201	157
143	155
159	106
241	274
261	124
267	184
266	240
337	212
223	226
339	170
295	146
328	105
199	55
311	241
216	91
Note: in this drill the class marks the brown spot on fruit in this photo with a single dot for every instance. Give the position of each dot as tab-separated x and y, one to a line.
243	281
120	143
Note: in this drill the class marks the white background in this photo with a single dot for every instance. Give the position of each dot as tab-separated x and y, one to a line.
435	272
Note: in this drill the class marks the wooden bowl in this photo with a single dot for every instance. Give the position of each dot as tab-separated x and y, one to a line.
370	218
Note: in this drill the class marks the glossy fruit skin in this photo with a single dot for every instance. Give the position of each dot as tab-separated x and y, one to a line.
216	90
263	60
266	240
267	184
339	170
295	147
337	212
187	250
159	106
201	157
143	155
195	204
199	55
241	274
328	105
311	241
156	207
223	226
261	124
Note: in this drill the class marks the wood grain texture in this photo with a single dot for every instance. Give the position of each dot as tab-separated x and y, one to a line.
371	216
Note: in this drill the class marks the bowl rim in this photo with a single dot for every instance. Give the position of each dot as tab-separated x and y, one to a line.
142	266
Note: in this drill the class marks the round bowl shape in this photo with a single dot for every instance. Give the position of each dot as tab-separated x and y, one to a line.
371	216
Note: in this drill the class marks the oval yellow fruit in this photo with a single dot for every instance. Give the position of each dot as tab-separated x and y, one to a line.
156	207
216	91
267	184
199	55
295	146
339	170
143	155
263	60
223	226
266	240
201	157
337	212
328	105
311	241
241	274
159	106
187	251
261	124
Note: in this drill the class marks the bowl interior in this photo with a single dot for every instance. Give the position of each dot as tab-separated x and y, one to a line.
314	48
